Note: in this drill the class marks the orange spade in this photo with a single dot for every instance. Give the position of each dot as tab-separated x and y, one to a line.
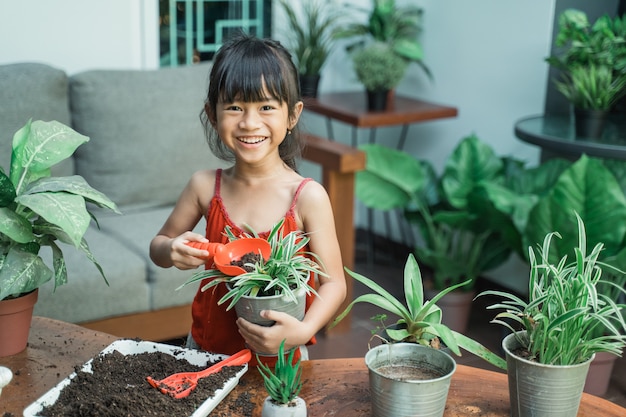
224	254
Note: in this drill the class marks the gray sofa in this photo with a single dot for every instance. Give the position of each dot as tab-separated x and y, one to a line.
145	142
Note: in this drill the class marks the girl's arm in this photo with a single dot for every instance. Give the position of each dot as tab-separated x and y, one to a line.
168	247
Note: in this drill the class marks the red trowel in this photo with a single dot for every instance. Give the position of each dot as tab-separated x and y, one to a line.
224	254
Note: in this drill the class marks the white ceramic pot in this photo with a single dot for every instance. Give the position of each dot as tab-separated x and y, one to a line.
297	408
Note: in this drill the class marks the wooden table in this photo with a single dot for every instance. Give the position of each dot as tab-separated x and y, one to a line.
331	386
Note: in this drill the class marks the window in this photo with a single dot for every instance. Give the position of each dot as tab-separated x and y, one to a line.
193	30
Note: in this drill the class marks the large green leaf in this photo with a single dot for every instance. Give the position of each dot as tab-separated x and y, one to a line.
15	226
22	272
62	209
471	162
7	190
48	144
74	185
589	189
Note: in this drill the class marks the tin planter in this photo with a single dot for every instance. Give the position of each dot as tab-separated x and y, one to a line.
540	390
402	394
250	308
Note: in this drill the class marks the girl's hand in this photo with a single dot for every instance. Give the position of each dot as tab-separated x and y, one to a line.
186	257
268	339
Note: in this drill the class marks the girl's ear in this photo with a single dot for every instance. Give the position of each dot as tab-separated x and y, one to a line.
297	111
210	114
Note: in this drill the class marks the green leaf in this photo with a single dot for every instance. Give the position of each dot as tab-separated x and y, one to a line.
64	210
22	272
7	190
74	185
15	226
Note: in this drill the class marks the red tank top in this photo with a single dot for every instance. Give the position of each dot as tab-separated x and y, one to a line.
213	328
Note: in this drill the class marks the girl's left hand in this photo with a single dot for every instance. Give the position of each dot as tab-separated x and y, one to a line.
268	339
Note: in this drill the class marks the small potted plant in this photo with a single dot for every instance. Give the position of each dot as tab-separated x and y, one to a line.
416	337
380	70
592	62
283	385
281	282
310	40
38	209
554	334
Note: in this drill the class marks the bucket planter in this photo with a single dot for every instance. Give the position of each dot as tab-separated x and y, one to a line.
15	318
405	377
250	308
540	390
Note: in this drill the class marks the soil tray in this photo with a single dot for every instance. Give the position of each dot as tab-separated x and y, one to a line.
133	347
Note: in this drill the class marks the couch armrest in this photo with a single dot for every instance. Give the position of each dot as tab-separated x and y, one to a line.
339	163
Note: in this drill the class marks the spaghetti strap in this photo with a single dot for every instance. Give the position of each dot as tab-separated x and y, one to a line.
218	181
295	196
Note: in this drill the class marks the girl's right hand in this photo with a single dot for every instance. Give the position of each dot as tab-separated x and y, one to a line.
184	256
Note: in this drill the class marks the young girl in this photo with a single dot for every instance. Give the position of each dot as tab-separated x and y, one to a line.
250	116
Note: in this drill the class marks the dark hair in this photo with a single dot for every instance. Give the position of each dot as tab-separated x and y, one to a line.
239	69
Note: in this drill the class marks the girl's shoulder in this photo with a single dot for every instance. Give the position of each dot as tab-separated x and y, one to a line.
312	193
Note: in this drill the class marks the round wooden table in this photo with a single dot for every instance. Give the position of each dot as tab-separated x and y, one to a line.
331	387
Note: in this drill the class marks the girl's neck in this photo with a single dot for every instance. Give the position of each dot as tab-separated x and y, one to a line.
250	174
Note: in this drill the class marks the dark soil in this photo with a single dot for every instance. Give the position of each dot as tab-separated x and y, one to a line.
118	387
247	261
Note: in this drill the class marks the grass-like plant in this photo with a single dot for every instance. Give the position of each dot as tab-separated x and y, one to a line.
378	67
419	319
592	87
283	384
286	271
310	39
564	310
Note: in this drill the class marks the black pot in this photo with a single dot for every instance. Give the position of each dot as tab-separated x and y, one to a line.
309	85
589	123
377	100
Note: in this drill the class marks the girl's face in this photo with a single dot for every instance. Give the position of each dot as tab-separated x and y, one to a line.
254	130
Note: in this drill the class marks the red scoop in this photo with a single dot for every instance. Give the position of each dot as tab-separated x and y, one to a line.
224	254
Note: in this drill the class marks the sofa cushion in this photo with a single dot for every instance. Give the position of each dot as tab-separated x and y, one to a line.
31	91
146	135
86	296
136	230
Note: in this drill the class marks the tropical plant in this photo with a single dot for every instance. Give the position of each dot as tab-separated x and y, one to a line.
284	383
37	209
592	59
397	26
419	319
310	40
462	235
285	272
564	308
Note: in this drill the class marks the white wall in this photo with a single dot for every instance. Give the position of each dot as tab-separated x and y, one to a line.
487	57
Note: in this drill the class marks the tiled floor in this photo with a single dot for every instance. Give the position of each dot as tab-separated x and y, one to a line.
354	343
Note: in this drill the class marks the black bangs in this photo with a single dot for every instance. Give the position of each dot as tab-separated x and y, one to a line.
242	78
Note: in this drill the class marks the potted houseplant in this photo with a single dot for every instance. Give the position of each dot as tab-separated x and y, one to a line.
310	40
278	283
38	209
399	27
592	63
283	385
460	234
380	70
548	356
418	333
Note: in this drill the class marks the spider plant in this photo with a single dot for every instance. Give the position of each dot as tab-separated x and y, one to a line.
285	272
592	87
284	383
564	310
419	319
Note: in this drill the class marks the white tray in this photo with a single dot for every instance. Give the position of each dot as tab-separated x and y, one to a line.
130	347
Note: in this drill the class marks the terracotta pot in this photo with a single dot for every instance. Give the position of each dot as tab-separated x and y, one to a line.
15	318
599	376
455	308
